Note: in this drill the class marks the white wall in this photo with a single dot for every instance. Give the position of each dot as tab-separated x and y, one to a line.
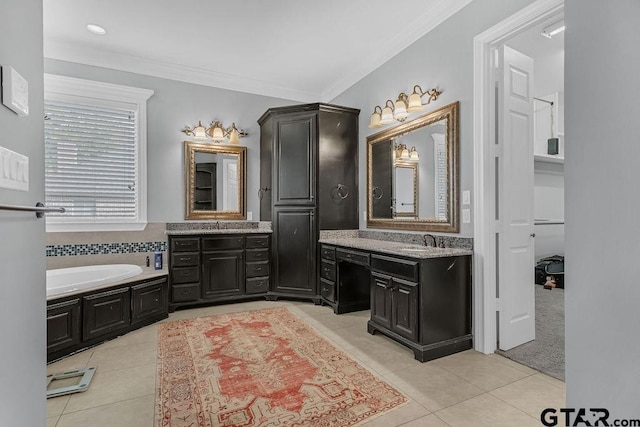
444	59
174	105
602	203
22	261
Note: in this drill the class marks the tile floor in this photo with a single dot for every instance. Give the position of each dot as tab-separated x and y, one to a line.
465	389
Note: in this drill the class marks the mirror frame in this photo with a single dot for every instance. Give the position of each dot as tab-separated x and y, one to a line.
190	149
452	224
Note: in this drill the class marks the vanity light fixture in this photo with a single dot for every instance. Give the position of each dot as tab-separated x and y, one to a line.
403	154
553	29
403	106
216	131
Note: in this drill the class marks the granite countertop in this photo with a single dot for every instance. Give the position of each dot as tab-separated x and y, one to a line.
219	231
396	248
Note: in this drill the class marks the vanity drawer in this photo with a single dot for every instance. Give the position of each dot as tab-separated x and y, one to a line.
256	269
328	270
257	286
191	244
396	267
328	252
185	259
328	290
257	255
222	243
185	275
190	292
355	257
257	242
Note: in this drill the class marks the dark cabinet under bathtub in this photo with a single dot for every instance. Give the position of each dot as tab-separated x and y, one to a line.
63	325
82	320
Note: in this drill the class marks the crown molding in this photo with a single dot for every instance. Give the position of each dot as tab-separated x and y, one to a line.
171	71
426	22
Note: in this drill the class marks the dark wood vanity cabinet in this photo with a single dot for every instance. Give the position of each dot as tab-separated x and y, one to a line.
89	318
394	304
308	175
216	268
424	304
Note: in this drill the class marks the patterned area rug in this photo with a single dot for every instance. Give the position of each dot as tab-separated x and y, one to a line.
261	368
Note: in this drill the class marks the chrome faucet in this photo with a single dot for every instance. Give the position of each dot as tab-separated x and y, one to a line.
426	237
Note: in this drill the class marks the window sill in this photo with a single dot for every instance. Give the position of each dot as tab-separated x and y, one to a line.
62	227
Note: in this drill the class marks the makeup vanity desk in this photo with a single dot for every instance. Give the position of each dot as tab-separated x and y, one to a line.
419	296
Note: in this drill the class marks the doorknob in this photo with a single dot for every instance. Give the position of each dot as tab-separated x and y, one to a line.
532	234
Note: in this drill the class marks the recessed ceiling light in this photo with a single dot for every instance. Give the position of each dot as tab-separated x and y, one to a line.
96	29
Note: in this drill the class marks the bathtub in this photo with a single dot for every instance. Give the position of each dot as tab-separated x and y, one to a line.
65	280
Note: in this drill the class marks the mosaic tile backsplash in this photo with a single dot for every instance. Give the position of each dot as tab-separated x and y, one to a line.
104	248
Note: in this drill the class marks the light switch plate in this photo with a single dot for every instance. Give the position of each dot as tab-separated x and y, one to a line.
466	197
15	91
249	216
466	216
14	170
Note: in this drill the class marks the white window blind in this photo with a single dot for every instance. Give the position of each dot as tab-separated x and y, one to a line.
90	161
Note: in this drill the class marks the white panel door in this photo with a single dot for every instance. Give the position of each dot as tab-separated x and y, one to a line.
515	234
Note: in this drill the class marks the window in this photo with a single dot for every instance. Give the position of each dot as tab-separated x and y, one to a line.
95	155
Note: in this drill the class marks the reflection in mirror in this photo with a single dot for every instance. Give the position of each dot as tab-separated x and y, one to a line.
412	174
214	181
405	190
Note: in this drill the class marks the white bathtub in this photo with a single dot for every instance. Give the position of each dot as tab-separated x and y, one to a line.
65	280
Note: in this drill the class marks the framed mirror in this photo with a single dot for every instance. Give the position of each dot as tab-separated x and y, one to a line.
215	177
412	174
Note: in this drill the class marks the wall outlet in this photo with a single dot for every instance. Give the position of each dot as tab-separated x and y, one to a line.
466	197
466	216
249	216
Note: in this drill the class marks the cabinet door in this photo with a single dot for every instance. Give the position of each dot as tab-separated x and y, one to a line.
338	169
105	312
295	159
223	274
294	242
381	300
149	300
63	325
404	310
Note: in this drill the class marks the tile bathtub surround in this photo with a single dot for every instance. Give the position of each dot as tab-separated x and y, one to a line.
409	238
107	247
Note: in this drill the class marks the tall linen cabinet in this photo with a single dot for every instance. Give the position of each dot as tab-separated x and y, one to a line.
308	183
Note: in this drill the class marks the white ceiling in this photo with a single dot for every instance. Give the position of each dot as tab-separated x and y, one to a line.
294	49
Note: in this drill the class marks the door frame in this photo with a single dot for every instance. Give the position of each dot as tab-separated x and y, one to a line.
484	153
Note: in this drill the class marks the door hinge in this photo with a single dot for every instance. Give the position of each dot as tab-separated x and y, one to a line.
498	306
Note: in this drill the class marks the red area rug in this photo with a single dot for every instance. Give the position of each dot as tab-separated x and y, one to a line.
261	368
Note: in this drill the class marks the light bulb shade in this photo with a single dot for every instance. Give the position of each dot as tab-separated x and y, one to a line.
387	116
234	136
405	153
199	131
413	154
375	121
216	132
400	110
415	103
